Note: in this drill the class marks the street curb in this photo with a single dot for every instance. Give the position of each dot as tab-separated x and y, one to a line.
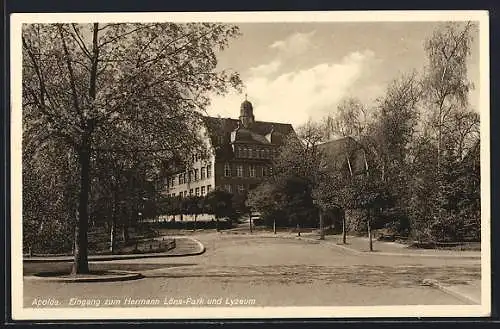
96	258
383	253
464	298
115	276
354	251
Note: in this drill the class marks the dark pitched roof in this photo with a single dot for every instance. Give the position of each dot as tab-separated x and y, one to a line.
338	151
339	146
224	126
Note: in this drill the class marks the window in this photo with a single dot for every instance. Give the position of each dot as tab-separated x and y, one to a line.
227	187
180	194
197	191
196	174
209	171
172	183
203	190
241	188
243	152
262	153
250	150
227	170
186	177
251	170
239	170
202	174
221	140
191	192
185	193
209	188
254	154
181	179
264	171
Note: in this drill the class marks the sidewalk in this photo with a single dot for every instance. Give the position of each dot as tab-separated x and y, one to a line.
468	293
360	245
185	246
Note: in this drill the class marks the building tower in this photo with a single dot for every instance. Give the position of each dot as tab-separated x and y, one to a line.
246	114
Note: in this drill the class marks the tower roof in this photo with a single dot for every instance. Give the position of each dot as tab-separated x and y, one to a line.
246	106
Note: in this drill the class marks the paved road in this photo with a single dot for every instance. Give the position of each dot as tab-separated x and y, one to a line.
272	272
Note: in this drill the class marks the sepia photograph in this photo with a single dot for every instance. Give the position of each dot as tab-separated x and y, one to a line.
250	165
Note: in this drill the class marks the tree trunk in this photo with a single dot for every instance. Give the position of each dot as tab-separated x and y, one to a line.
250	222
298	229
195	215
274	225
81	264
112	236
217	224
321	226
344	228
370	231
125	236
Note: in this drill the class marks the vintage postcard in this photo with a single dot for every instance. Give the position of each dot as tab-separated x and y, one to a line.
250	165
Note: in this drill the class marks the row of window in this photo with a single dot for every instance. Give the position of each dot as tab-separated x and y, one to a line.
199	191
248	152
192	175
240	188
251	170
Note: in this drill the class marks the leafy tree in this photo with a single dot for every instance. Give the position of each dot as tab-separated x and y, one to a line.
194	206
446	83
369	193
219	203
351	119
124	88
268	200
333	193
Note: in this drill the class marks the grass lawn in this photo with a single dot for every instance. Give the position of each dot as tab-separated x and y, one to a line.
142	239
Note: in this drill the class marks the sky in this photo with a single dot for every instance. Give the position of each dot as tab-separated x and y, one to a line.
298	71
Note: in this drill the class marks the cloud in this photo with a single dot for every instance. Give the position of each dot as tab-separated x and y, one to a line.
294	44
296	96
266	69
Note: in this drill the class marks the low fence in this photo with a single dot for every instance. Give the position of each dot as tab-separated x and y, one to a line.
157	244
191	225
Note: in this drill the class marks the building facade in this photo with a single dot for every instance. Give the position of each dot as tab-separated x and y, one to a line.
241	152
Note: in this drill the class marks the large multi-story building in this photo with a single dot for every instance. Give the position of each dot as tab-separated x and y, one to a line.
240	155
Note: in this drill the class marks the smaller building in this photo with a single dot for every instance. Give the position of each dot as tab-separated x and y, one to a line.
345	154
